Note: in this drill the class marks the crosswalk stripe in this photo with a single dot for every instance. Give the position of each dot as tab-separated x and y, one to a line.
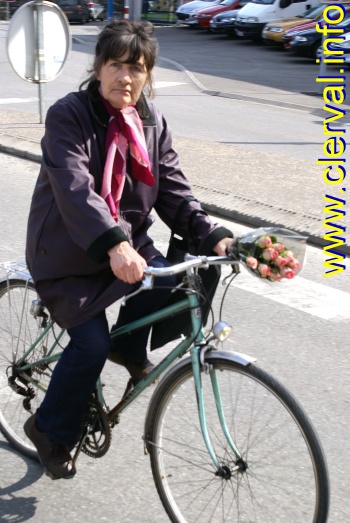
302	294
160	84
5	101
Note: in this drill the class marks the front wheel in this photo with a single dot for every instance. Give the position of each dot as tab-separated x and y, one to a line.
281	474
317	51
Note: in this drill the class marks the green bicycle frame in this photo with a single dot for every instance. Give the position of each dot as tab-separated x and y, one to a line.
196	338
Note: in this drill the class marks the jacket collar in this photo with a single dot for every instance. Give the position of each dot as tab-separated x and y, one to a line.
101	115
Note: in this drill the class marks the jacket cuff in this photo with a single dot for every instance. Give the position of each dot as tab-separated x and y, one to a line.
212	239
99	248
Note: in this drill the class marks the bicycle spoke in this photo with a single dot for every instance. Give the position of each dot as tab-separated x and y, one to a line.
18	331
274	481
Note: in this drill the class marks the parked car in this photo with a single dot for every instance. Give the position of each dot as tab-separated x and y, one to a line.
97	11
75	10
257	13
290	33
14	5
273	31
308	43
225	22
345	47
293	31
185	13
205	15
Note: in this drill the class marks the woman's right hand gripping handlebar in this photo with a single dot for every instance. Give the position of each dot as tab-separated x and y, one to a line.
126	264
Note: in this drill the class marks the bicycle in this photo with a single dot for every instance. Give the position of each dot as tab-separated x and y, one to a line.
227	441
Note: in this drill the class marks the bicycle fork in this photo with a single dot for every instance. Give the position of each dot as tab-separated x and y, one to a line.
198	363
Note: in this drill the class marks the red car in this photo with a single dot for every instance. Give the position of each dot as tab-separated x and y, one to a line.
205	15
290	33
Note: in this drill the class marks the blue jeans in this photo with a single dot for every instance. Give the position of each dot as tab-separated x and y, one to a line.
62	411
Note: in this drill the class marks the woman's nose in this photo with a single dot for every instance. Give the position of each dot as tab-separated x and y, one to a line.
124	75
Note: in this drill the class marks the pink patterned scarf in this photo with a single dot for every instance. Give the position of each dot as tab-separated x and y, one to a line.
125	128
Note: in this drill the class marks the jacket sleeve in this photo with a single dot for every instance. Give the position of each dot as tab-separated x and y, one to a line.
173	187
67	151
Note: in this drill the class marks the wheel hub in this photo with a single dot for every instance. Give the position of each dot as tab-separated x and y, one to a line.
226	472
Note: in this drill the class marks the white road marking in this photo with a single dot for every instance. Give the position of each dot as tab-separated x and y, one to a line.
5	101
160	84
302	294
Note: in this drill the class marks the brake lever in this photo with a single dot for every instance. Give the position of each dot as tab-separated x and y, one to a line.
147	285
234	271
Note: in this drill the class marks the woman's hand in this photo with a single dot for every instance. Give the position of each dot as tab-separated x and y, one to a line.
126	263
222	246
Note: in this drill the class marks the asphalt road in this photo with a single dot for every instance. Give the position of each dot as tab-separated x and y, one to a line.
203	52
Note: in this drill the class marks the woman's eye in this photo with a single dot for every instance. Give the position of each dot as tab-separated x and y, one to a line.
115	64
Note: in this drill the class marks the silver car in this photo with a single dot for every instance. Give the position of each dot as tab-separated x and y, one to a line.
185	13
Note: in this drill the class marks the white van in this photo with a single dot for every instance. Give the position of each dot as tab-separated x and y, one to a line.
253	16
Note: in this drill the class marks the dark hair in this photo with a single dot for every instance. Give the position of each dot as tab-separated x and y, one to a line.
120	37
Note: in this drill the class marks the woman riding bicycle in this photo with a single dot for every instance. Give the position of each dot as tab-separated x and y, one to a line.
107	161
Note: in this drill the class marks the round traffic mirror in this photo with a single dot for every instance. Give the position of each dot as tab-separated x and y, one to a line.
38	41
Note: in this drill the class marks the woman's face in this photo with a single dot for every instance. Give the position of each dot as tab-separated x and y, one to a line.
122	82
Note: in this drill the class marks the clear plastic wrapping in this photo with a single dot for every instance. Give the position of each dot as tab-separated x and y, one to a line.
271	253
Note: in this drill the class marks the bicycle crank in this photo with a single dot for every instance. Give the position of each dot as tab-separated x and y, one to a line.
97	433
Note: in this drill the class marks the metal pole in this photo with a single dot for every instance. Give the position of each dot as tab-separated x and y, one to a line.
40	58
323	66
126	9
110	12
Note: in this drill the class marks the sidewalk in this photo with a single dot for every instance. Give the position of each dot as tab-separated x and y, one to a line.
20	135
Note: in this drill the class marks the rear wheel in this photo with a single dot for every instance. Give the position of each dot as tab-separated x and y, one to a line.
280	476
18	331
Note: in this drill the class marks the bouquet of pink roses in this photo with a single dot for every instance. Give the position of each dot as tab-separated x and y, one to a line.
271	253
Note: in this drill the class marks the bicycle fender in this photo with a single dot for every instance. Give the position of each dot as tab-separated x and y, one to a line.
15	271
237	357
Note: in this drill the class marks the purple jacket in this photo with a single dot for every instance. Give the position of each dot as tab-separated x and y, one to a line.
70	228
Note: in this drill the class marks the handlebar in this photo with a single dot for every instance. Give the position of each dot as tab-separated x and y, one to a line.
190	262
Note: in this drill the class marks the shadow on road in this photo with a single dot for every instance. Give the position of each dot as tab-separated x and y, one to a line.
17	473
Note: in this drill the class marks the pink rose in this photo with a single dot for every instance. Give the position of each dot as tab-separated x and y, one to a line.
287	273
264	241
279	247
269	254
287	258
294	264
281	262
264	270
252	262
288	254
275	276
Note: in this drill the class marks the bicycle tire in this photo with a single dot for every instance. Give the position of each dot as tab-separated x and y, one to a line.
18	330
288	483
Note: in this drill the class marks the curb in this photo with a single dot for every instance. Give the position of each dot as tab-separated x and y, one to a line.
221	94
259	214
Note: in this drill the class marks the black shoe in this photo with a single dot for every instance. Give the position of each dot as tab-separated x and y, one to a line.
137	371
54	457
